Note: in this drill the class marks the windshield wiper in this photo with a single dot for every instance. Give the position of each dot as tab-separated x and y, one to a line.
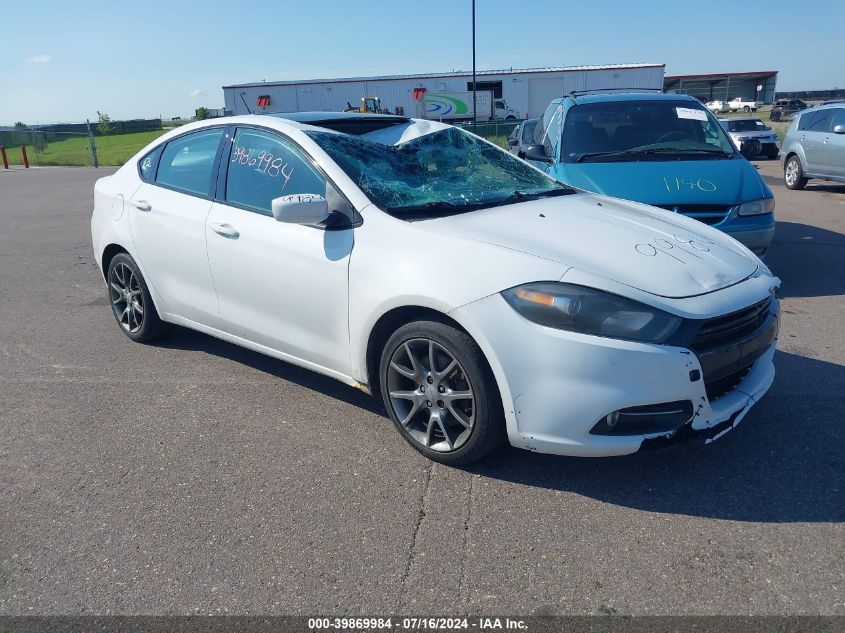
654	150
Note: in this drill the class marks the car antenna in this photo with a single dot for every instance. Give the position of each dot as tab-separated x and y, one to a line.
245	103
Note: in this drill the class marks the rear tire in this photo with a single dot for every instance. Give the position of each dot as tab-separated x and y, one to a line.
449	408
132	305
793	174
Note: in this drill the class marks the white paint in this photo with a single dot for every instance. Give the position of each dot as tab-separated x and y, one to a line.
312	297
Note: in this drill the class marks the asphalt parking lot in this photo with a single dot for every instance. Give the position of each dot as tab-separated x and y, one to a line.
198	477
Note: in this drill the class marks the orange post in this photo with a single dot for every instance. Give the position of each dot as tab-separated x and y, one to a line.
23	155
5	160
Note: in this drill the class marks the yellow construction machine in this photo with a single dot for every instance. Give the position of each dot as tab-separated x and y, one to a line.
368	104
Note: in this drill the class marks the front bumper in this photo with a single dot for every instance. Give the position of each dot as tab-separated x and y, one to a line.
755	232
557	385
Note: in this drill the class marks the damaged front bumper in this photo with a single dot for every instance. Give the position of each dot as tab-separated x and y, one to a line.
557	386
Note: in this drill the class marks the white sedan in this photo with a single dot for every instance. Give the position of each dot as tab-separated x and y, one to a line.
482	300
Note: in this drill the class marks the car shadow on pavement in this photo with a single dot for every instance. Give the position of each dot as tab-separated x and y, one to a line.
809	260
190	340
812	185
784	463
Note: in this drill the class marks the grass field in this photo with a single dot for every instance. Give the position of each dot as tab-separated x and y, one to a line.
75	151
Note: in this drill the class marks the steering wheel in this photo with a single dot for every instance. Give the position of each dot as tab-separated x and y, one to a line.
674	135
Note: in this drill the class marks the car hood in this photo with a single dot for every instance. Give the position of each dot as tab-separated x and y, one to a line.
755	134
645	248
723	182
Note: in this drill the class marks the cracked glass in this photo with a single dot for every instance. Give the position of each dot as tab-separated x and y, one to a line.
446	171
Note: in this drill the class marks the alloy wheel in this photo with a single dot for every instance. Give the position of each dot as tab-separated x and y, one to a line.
127	298
791	175
431	395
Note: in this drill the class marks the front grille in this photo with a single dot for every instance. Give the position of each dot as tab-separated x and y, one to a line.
731	327
729	345
710	214
717	388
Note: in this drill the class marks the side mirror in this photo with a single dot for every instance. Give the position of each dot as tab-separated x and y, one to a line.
537	153
751	148
768	127
300	208
839	129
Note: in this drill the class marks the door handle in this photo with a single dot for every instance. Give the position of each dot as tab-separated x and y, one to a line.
226	230
825	141
141	205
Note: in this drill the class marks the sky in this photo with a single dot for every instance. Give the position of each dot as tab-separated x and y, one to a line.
65	61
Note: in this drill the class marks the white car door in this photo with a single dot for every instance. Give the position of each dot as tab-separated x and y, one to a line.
167	220
282	286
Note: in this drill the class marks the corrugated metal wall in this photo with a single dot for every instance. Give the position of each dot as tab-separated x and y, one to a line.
528	93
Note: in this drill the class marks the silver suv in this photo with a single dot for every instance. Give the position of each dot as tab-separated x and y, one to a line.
814	146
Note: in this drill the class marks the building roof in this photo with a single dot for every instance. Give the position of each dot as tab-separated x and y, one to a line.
759	73
454	73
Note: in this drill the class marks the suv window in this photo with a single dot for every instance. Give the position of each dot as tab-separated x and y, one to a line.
818	121
187	162
264	166
551	140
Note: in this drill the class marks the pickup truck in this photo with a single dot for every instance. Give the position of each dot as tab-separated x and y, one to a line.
738	103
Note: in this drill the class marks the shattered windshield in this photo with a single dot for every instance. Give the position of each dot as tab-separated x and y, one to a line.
447	171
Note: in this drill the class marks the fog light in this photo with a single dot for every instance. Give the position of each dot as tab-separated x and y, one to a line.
643	420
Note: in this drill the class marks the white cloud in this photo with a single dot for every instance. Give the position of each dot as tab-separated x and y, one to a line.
193	94
44	58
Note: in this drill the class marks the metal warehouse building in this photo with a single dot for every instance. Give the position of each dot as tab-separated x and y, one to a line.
757	86
528	90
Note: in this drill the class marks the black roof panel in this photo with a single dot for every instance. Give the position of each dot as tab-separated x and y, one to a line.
347	122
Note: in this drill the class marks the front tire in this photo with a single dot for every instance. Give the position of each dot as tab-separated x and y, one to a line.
131	302
793	174
441	394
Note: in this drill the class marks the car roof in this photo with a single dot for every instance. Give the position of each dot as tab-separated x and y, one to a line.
315	118
628	96
347	122
823	106
354	123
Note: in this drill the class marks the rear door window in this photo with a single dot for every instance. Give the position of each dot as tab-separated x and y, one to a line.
187	162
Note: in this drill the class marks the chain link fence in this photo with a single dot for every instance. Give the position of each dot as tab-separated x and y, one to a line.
74	145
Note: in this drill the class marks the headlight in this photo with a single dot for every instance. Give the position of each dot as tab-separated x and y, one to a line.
756	207
589	311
